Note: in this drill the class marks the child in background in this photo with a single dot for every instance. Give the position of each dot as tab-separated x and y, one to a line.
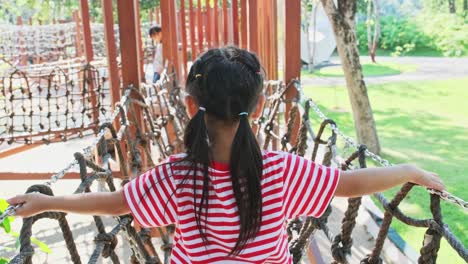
155	34
228	199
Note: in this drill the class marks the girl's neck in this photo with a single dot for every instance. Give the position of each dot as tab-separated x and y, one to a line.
221	137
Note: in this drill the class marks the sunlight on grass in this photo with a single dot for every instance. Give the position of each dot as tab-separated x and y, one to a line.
424	123
369	69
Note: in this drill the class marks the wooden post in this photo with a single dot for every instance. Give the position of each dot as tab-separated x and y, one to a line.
235	22
114	80
216	24
184	39
140	41
151	16
130	54
244	43
292	58
209	24
78	47
199	27
174	40
253	26
274	40
111	50
157	12
192	30
23	56
84	7
89	54
225	23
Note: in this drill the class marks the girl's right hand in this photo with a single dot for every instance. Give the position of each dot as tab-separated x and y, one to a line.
31	204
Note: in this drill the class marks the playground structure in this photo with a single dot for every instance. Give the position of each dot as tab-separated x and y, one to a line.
136	125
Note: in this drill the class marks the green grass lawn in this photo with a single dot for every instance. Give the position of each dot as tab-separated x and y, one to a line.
424	123
369	69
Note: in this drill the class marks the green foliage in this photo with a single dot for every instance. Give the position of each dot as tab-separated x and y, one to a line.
6	224
452	38
47	10
403	36
395	32
4	261
418	122
368	68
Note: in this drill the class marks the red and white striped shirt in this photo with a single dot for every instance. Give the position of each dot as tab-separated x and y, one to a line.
291	186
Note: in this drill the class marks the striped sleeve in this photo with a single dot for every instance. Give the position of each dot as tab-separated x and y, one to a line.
151	197
308	187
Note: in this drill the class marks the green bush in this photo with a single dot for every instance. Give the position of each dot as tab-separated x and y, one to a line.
445	33
448	32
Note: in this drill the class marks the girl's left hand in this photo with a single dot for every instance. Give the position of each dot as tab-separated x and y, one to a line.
426	178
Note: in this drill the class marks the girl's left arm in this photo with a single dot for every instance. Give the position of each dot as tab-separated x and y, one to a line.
360	182
102	203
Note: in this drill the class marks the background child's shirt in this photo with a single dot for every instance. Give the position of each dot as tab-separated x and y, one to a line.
158	59
291	186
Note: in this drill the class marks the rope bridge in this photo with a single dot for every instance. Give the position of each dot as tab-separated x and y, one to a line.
52	101
121	138
58	42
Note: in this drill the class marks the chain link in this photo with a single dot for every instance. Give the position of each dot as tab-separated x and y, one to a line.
385	163
87	152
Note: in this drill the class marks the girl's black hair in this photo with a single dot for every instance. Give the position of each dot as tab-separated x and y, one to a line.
227	82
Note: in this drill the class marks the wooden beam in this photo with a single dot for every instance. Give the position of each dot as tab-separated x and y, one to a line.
89	54
225	23
199	27
174	42
253	26
113	68
88	44
209	24
216	24
184	39
292	59
130	55
235	22
192	30
140	41
78	42
244	26
111	49
23	57
274	40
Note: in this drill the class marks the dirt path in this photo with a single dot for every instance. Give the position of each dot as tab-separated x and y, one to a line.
429	68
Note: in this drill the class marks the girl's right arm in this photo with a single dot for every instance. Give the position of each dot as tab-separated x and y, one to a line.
102	203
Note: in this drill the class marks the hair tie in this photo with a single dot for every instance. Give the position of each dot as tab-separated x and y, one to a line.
198	75
201	108
243	114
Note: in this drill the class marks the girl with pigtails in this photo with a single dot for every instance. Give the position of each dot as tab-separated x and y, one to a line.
228	198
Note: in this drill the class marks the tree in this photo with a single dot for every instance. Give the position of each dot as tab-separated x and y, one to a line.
372	20
342	19
452	9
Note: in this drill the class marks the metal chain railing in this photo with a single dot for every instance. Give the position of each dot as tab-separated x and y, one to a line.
163	118
349	141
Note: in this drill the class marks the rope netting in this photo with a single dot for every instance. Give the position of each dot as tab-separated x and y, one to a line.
58	42
51	102
160	135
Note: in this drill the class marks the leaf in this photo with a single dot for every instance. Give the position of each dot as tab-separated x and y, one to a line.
43	246
4	261
3	205
6	225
